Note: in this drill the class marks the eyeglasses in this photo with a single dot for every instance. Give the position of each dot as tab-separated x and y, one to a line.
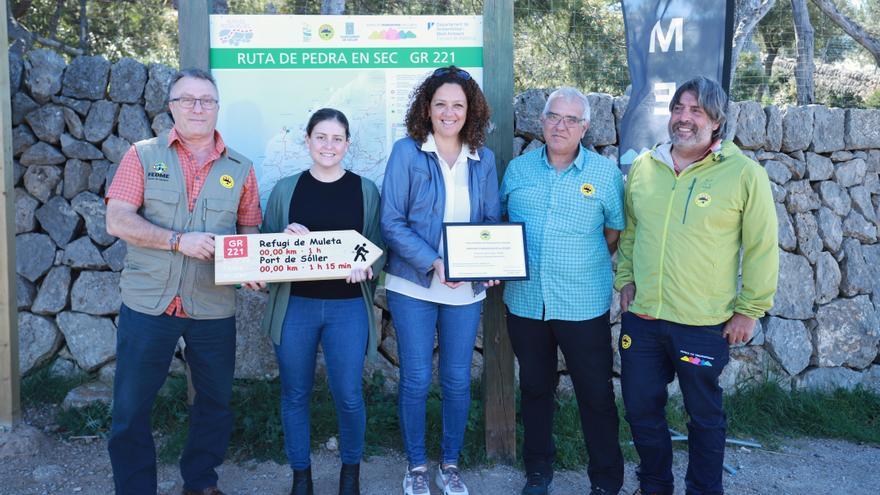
187	102
454	72
567	120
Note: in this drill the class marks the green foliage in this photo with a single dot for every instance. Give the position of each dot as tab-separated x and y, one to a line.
40	386
766	411
840	99
574	43
873	100
761	411
145	30
94	419
750	81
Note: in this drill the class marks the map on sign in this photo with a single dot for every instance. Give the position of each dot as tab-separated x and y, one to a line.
274	71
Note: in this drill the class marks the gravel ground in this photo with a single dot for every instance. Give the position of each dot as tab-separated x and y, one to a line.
799	466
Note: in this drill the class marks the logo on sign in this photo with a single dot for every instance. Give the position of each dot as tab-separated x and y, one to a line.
325	32
235	247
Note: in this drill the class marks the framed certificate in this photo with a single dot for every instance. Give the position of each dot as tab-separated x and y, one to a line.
485	251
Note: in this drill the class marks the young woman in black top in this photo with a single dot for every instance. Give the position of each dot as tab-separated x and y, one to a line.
335	313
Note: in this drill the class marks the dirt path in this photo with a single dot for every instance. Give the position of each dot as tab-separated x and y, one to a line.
801	466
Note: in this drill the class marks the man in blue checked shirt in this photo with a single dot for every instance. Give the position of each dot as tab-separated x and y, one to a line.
571	201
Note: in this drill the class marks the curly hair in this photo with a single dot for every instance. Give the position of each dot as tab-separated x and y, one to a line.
418	123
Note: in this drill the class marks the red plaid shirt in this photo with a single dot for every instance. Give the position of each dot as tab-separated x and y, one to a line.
128	186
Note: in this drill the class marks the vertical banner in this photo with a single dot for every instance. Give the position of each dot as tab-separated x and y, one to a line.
274	71
669	42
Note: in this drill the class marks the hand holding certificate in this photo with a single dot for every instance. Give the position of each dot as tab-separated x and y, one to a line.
482	252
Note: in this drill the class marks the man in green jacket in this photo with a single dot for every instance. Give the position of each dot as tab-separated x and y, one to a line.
693	206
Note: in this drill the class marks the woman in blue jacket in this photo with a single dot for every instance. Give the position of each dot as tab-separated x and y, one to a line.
440	173
336	313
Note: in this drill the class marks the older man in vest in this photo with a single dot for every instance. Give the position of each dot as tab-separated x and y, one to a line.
169	197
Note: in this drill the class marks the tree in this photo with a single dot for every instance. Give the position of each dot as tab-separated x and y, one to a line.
748	13
144	29
851	27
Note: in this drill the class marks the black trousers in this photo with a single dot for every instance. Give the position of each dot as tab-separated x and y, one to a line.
586	346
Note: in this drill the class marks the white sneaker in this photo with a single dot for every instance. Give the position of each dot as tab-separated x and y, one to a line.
416	482
449	480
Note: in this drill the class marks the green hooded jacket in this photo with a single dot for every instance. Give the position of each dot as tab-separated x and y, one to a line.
683	237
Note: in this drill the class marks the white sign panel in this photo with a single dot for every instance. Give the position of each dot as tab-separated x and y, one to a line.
274	71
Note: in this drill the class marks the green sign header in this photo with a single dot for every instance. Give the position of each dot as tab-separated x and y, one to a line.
345	58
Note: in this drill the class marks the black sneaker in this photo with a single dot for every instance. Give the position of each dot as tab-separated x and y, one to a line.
598	490
538	484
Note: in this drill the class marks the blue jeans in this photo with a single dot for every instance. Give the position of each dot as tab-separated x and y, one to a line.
144	348
652	352
342	327
416	323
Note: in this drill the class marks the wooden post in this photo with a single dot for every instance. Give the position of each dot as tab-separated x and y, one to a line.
10	405
499	399
193	32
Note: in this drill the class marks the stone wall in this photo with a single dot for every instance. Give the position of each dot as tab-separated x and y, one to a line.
72	122
837	78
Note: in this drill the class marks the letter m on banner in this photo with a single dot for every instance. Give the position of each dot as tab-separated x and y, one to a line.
674	33
669	42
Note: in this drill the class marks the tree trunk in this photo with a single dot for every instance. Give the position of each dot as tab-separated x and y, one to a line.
851	28
803	72
748	14
83	27
53	25
332	7
772	53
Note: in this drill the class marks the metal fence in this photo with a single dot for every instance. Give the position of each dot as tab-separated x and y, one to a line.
582	43
579	43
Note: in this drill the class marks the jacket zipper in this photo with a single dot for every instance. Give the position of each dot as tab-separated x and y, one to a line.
663	248
688	202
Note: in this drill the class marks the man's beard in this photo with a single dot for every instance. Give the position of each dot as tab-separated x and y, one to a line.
698	135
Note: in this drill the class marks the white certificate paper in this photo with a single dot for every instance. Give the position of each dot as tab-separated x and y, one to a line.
481	251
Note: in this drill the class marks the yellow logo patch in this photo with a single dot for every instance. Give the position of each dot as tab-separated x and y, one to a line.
587	189
485	235
703	200
227	181
625	341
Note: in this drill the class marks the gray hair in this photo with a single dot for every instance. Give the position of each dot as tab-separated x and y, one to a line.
191	72
569	94
711	98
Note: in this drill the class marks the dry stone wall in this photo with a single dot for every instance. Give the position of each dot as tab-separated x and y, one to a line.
73	121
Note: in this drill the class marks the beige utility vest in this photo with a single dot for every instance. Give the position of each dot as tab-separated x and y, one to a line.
152	277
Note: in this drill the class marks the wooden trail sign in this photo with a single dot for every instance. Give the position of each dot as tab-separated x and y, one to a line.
326	255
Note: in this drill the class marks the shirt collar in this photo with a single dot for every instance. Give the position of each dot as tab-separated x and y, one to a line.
578	162
430	146
219	144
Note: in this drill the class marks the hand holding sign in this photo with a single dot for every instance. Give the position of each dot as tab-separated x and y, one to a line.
332	254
